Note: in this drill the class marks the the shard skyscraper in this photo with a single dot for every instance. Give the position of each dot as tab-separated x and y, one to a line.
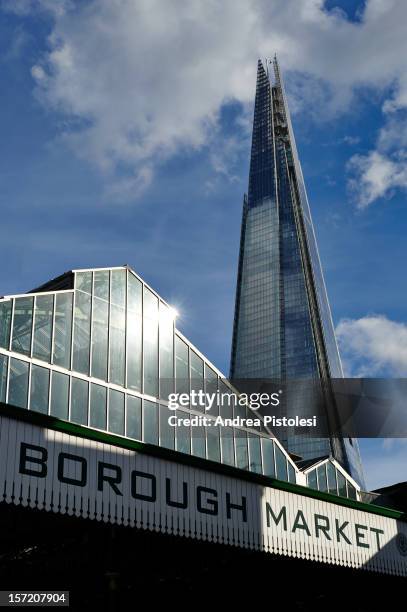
282	326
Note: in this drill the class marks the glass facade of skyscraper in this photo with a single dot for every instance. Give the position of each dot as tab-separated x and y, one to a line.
283	327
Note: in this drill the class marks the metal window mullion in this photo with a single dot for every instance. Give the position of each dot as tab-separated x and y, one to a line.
73	328
13	306
34	316
8	378
29	386
54	303
50	375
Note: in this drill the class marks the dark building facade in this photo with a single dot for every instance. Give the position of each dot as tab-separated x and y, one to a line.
283	326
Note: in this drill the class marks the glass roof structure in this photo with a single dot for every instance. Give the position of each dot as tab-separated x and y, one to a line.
99	348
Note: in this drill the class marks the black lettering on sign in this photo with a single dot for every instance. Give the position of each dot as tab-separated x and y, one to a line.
112	480
209	501
230	506
62	459
26	457
153	495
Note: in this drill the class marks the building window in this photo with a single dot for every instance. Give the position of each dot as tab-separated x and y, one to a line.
341	484
81	337
18	383
150	342
181	366
255	454
100	325
79	401
197	374
351	491
242	453
5	322
183	434
227	443
116	412
63	330
22	325
166	430
268	457
117	327
44	312
133	417
39	389
322	481
281	464
312	480
166	351
97	406
3	377
331	473
198	442
134	332
59	395
212	443
150	422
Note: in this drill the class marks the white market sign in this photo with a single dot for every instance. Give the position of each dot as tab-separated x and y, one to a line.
59	472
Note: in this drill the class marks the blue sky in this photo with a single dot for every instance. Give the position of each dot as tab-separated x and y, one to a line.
126	137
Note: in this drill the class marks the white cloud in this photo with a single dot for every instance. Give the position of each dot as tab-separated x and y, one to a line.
375	175
142	80
373	346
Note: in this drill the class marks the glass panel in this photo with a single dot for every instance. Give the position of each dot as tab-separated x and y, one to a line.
133	422
118	292
59	395
181	366
281	464
255	454
116	412
312	479
197	375
211	387
97	406
212	443
81	332
101	284
341	484
166	430
117	344
322	482
228	451
183	434
291	473
22	325
199	442
5	320
351	491
39	389
226	400
134	335
63	330
79	401
3	377
150	422
83	281
268	457
150	339
18	383
331	471
242	453
44	310
100	332
166	351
